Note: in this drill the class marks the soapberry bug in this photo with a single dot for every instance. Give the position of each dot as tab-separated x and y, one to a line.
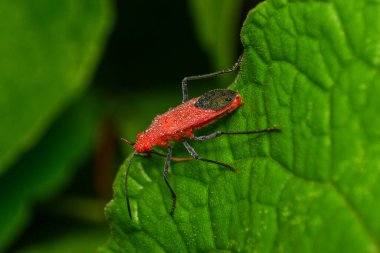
179	123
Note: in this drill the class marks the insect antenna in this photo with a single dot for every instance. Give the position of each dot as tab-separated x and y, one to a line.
126	183
127	141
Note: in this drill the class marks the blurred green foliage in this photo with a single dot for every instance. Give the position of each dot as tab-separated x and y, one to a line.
75	77
217	24
48	54
74	240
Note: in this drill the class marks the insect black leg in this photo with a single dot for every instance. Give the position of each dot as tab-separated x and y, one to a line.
177	159
220	133
126	184
185	92
165	174
198	157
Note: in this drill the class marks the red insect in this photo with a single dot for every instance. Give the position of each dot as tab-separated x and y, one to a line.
179	123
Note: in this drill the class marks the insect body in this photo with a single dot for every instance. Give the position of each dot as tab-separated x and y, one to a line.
179	123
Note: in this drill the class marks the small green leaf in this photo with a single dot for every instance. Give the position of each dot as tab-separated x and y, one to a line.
311	69
48	53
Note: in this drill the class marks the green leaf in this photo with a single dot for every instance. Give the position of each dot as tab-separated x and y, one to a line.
43	171
48	53
310	68
216	24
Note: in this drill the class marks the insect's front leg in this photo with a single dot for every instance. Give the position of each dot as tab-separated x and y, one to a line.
165	174
185	91
220	133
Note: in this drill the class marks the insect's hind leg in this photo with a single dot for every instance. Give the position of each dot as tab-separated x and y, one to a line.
198	157
220	133
185	91
165	174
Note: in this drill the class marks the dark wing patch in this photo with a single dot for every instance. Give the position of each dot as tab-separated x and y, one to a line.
216	99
